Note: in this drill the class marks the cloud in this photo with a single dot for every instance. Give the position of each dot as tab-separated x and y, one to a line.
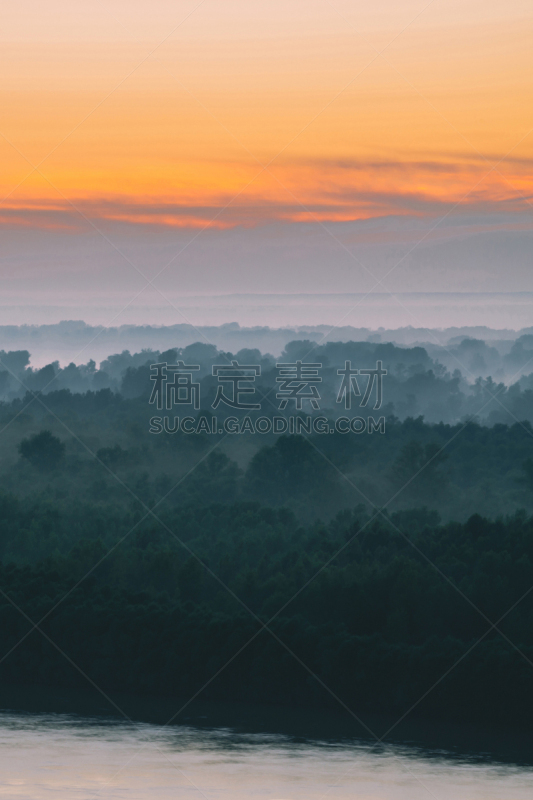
333	204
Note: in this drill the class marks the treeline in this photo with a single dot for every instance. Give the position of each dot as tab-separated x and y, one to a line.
468	378
261	608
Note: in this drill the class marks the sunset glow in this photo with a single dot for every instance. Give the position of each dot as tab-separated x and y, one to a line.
246	114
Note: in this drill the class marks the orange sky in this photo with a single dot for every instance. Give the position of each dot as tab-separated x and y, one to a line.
232	112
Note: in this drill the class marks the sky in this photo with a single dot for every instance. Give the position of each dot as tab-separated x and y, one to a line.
153	151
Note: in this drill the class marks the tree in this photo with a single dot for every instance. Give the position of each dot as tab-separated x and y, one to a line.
216	478
291	468
417	471
527	473
43	450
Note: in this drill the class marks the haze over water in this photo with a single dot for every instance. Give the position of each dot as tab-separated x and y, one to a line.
66	757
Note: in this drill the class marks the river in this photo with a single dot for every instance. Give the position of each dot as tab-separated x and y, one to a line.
70	757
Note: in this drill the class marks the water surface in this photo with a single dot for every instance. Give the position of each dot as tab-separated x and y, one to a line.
59	756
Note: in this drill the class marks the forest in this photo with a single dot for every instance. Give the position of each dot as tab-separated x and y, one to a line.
387	572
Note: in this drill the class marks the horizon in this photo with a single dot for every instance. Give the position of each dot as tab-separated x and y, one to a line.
372	311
